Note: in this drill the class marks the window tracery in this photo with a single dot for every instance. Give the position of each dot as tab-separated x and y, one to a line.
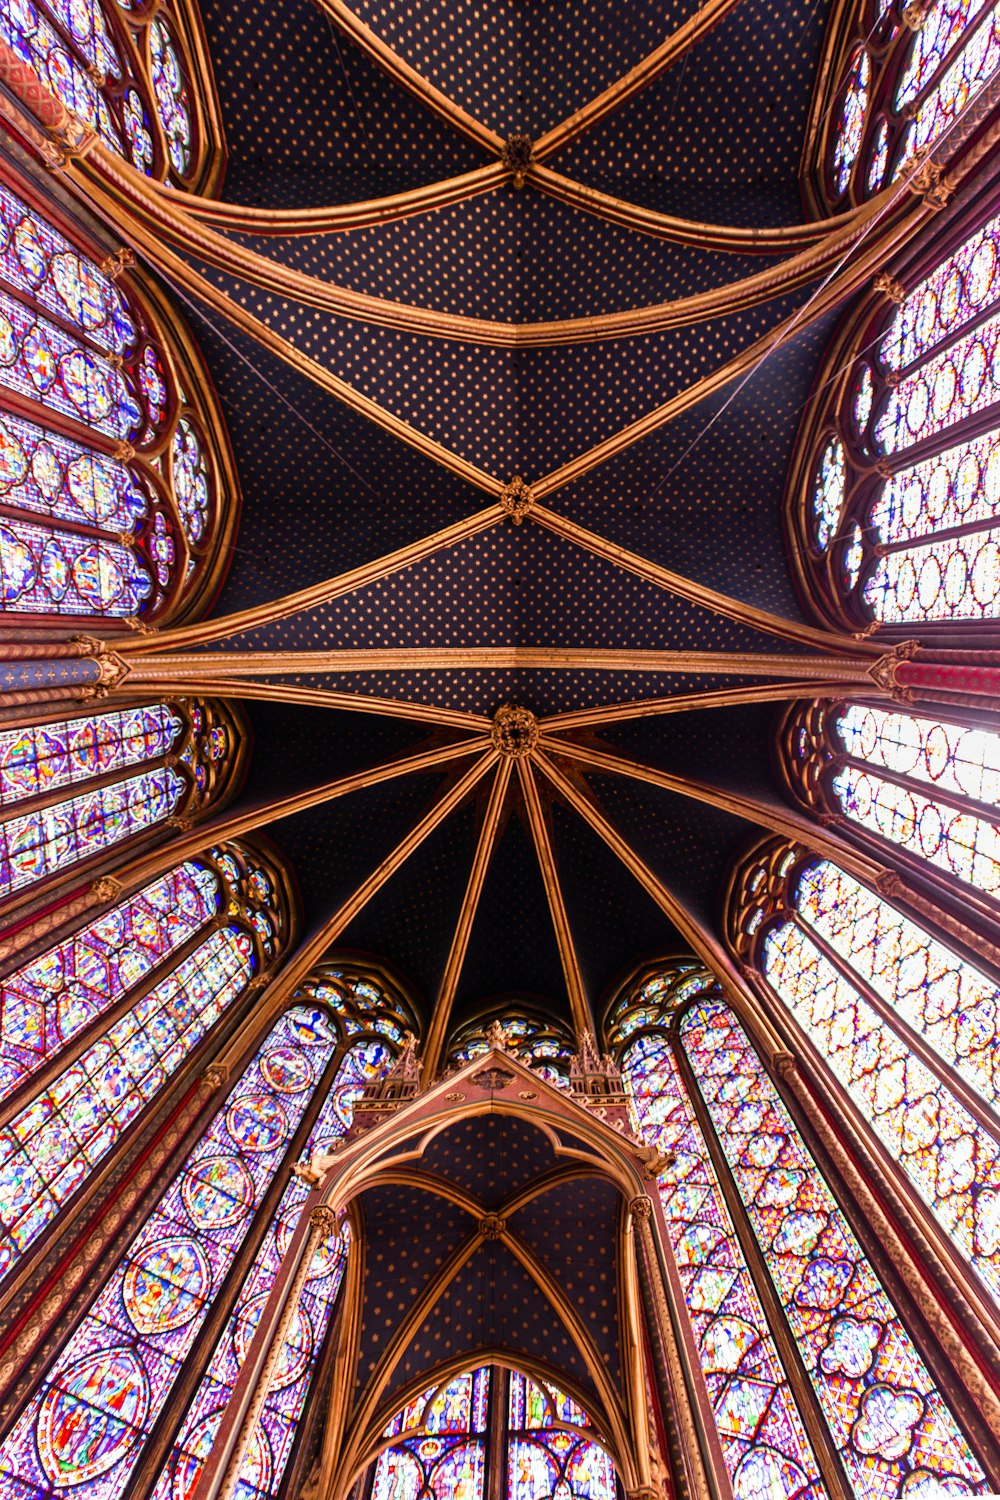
743	1191
74	788
904	1023
93	1029
445	1441
894	503
117	491
905	73
86	1428
125	72
537	1041
917	784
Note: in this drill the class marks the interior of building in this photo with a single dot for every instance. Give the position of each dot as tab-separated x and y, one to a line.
499	750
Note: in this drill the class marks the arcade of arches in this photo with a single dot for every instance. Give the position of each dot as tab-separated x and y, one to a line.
499	750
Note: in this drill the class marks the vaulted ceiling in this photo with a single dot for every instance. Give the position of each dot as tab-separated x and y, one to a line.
311	121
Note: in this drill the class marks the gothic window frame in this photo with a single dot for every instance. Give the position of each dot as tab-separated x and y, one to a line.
223	781
817	569
154	458
809	755
880	37
680	998
537	1039
181	69
238	901
240	1044
498	1431
764	881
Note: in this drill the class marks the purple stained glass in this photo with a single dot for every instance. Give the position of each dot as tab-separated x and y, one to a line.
268	1458
35	844
55	572
543	1458
964	78
41	361
445	1458
850	127
35	258
761	1430
951	385
53	998
85	22
192	484
170	93
47	474
46	757
27	31
86	1425
960	288
55	1142
892	1427
931	44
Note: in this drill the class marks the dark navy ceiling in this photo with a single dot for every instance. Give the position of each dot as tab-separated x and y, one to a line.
310	121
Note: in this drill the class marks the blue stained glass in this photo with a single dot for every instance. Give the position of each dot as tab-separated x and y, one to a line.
86	1425
267	1460
54	1143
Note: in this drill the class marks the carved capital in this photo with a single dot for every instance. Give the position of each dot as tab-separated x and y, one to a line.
883	468
889	884
931	183
641	1207
514	731
914	15
644	1492
516	498
516	157
183	825
106	889
139	626
784	1064
324	1218
492	1227
883	672
216	1075
123	452
888	286
113	266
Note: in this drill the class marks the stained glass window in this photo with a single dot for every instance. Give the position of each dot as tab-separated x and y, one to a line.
443	1443
271	1447
136	991
740	1175
73	788
94	522
901	512
123	75
864	982
902	88
922	784
539	1042
86	1425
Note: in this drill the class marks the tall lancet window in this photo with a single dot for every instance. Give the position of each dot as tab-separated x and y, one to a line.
539	1042
539	1441
212	1244
902	74
913	783
117	490
906	1024
94	1029
74	788
809	1367
125	71
895	503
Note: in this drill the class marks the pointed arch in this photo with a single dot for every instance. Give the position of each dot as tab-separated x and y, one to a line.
903	1023
77	789
920	789
118	491
816	1384
894	497
538	1040
96	1027
137	75
895	76
198	1272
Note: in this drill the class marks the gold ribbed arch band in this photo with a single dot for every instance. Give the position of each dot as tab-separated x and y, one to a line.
135	207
